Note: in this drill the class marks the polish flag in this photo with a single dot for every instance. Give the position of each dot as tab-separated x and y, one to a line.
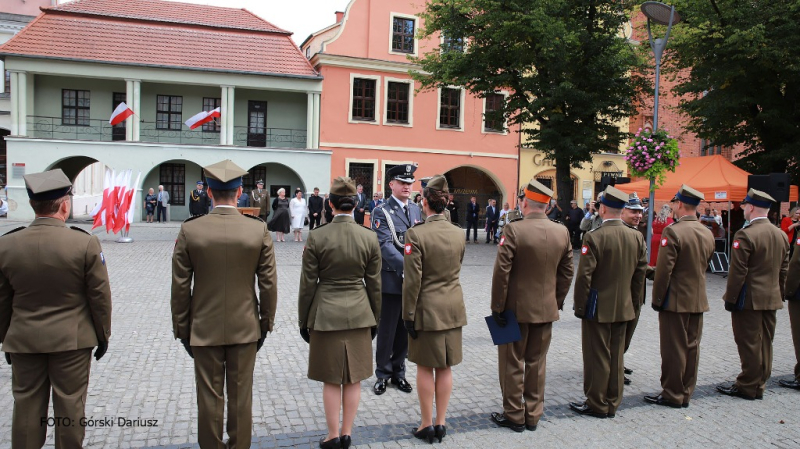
120	114
202	118
129	218
99	212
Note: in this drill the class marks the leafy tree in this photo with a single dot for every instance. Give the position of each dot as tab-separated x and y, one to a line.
565	63
738	66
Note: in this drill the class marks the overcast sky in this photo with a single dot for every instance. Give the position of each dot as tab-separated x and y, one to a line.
301	17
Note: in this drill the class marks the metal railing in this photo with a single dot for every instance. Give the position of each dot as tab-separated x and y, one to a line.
100	130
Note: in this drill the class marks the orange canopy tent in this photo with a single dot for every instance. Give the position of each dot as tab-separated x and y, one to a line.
715	176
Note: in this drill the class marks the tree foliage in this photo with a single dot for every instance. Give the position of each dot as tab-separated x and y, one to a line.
565	63
739	66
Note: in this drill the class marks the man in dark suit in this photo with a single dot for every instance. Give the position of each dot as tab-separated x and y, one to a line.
361	205
473	210
328	209
492	217
390	222
452	206
374	202
315	207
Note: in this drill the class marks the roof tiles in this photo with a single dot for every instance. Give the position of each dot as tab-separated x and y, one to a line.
147	33
172	12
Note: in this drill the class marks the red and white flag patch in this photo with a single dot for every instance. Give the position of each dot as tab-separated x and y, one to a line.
584	250
735	244
408	248
664	241
798	242
503	240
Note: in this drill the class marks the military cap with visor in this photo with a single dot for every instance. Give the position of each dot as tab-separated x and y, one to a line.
49	185
689	196
224	175
435	182
536	191
402	172
343	186
634	203
758	198
614	198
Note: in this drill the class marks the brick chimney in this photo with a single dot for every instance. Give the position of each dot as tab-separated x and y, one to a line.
339	16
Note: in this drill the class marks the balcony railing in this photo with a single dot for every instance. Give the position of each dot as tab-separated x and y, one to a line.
100	130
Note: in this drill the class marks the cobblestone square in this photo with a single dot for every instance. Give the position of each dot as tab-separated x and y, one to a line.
147	375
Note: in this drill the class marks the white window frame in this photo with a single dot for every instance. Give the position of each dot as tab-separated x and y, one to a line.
398	15
504	132
441	43
377	79
410	82
460	112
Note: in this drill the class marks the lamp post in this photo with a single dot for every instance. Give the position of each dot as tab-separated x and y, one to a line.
661	14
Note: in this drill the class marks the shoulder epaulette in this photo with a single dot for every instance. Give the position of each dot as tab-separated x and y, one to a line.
418	224
592	230
556	221
78	229
319	226
249	216
14	230
193	218
632	227
456	225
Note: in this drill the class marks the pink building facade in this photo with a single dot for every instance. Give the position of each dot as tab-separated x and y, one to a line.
372	118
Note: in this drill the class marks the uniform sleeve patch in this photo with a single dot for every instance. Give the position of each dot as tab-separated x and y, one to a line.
502	240
408	248
584	250
377	224
664	241
735	244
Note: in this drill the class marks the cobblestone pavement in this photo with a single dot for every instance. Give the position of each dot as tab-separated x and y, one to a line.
147	375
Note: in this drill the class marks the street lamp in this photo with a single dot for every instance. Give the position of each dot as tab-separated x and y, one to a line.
661	14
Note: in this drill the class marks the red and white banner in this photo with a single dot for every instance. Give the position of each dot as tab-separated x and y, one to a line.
120	114
202	118
115	211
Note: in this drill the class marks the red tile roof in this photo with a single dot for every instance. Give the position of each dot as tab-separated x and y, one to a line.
160	42
172	12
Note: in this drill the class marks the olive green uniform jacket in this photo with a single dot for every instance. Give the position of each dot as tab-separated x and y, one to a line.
614	262
432	295
225	253
340	287
759	260
533	270
54	289
680	282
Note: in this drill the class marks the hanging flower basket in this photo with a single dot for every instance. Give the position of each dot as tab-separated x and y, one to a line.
651	155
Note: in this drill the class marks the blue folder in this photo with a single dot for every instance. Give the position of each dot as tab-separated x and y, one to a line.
591	305
742	296
503	335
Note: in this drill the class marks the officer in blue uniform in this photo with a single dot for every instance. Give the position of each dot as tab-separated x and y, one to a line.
390	221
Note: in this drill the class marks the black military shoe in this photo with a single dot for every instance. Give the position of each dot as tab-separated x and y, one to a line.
733	390
626	381
501	420
402	384
583	409
659	400
380	386
628	371
789	384
530	427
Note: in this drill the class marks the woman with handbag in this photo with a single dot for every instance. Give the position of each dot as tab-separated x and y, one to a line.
339	307
433	306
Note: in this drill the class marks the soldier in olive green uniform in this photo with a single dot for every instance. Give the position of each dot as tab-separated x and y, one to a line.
48	329
610	279
339	308
679	297
260	198
433	305
534	243
792	292
757	276
220	320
